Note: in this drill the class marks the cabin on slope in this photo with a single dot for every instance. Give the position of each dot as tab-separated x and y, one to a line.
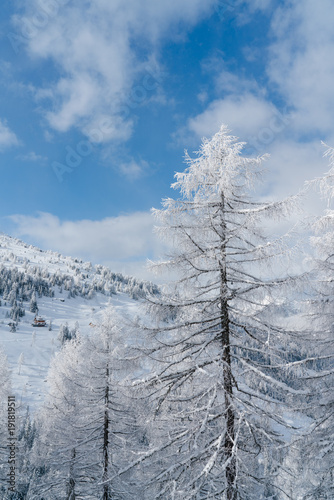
38	321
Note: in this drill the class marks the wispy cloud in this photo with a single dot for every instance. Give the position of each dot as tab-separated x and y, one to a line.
123	242
100	65
301	62
7	136
299	75
32	157
134	169
245	115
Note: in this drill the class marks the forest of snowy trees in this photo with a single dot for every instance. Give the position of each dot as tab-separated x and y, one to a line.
17	287
223	388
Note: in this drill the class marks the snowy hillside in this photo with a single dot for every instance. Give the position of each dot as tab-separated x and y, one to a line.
68	292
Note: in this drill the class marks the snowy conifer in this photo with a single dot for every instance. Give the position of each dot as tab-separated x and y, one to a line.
318	445
84	422
5	392
20	362
221	387
64	333
33	304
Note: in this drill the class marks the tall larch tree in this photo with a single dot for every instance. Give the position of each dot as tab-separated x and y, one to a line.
84	422
220	384
319	443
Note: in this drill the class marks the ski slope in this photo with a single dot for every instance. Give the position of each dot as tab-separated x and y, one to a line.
39	345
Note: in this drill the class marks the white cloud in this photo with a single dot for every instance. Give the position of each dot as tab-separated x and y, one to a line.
202	96
263	5
244	107
292	163
79	98
300	67
7	137
302	63
226	81
123	242
134	169
245	116
103	128
258	122
102	49
32	157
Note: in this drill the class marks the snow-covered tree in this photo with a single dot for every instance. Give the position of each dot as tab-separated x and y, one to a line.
64	334
221	384
33	303
84	422
319	444
17	312
75	331
20	362
56	441
12	294
5	392
26	432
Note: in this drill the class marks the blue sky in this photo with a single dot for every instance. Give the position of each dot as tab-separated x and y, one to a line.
100	98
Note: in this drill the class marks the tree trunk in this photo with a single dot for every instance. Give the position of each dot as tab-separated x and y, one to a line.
106	488
70	494
228	386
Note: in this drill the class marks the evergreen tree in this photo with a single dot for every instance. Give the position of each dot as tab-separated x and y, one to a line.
5	392
20	362
318	444
33	304
64	334
221	386
85	421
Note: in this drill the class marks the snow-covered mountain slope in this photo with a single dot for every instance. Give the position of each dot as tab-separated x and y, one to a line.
67	291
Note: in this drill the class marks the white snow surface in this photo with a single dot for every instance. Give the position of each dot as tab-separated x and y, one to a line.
39	345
